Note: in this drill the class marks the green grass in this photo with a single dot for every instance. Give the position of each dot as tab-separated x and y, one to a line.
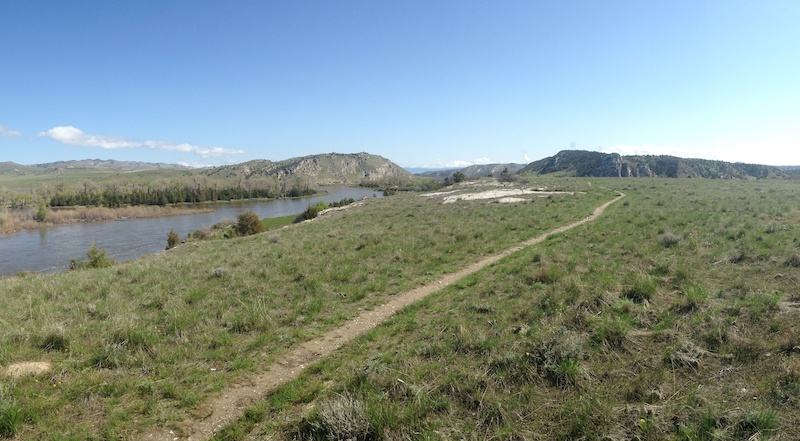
276	222
613	330
600	333
145	343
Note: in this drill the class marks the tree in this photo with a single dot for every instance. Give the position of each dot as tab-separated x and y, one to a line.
172	239
42	213
458	177
96	258
248	223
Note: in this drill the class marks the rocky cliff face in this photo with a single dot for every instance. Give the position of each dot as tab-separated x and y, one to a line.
324	169
617	166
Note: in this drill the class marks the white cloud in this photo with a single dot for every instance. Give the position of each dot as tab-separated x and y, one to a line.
8	132
527	159
188	148
194	164
461	164
78	138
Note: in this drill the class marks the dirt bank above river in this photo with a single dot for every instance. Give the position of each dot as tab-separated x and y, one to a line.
12	221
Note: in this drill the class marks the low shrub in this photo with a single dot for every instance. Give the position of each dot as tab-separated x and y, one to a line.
343	418
611	331
248	223
557	356
311	212
223	224
200	234
639	289
669	239
96	258
172	239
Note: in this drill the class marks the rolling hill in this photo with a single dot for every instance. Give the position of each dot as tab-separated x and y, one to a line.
83	165
324	169
580	163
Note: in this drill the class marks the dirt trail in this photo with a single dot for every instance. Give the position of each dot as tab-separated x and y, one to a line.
232	402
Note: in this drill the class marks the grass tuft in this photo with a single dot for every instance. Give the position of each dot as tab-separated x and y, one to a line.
343	418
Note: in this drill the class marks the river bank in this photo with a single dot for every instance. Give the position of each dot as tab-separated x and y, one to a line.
15	220
51	249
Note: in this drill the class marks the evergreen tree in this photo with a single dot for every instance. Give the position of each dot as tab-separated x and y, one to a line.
42	213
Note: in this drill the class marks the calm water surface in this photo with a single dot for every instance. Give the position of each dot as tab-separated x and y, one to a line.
51	249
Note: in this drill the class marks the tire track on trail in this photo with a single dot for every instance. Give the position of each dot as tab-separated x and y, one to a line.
230	404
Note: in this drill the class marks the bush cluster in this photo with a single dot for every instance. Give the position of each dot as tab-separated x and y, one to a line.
172	239
248	223
95	258
313	210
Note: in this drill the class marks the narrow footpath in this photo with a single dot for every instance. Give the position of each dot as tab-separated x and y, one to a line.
231	403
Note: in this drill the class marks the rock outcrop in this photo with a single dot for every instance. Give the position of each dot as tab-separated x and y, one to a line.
323	169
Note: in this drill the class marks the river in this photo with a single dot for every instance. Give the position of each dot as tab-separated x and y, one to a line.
51	249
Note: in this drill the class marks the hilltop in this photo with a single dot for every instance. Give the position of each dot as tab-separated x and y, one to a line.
322	169
580	163
317	170
83	165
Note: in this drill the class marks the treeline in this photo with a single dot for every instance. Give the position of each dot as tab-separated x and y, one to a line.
116	195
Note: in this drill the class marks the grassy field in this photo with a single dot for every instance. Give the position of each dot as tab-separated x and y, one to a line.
145	343
673	316
270	223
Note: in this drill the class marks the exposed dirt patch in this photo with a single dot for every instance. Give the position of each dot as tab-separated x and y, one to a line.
233	401
33	368
500	193
789	307
511	200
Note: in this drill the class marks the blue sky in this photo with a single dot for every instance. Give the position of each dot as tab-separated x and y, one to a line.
423	83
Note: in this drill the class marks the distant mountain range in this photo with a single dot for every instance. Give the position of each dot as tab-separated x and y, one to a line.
474	171
14	169
581	163
363	168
